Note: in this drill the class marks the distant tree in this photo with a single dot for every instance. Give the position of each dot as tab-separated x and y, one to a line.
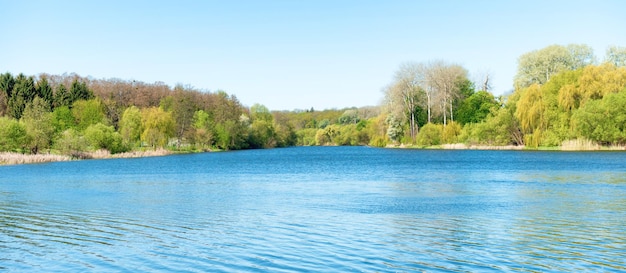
62	119
80	91
23	92
350	116
130	125
62	97
100	136
13	136
404	96
6	88
39	126
203	125
476	107
536	67
616	55
44	90
158	126
88	112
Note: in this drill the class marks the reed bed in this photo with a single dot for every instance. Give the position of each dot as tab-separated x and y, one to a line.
7	158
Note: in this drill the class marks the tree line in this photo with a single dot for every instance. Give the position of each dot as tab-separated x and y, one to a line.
560	93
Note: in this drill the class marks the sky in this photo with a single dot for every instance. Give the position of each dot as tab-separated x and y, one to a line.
293	54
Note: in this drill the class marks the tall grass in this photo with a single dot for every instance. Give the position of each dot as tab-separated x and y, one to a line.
7	158
580	144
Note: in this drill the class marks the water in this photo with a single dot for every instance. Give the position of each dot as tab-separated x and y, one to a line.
318	209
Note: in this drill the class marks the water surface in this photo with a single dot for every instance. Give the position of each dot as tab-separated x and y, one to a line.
318	209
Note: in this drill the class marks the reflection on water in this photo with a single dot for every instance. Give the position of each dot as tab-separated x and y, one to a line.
318	209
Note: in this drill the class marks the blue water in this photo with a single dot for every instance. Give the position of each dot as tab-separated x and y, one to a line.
318	209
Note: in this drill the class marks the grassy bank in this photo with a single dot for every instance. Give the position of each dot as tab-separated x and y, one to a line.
7	158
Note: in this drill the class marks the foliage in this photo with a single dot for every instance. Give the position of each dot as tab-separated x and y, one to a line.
100	136
158	127
130	125
13	136
88	112
430	135
38	123
603	120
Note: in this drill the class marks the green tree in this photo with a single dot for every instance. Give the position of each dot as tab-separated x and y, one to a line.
39	126
602	120
44	90
62	97
130	125
260	112
71	142
6	88
100	136
13	136
80	91
88	112
158	126
475	108
23	92
430	135
203	125
62	119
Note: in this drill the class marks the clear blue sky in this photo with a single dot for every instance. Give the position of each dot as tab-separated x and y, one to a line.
293	54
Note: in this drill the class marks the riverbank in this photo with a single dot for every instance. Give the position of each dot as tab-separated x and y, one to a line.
7	158
572	146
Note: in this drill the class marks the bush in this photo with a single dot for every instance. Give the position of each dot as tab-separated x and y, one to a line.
430	135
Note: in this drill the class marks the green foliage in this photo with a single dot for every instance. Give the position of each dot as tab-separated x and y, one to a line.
261	134
451	132
79	91
23	93
62	97
475	108
260	112
13	136
350	116
62	119
100	136
430	135
39	125
88	112
306	137
158	127
71	142
537	67
44	90
130	126
602	120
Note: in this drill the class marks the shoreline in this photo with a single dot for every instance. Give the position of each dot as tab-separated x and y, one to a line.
12	158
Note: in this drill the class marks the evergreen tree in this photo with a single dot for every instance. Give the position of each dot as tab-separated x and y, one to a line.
79	91
62	97
44	91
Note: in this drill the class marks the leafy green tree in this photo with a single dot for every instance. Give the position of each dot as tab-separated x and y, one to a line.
130	125
100	136
71	142
62	97
203	125
80	91
475	108
6	88
602	120
430	135
88	112
182	106
13	136
260	112
39	126
261	134
44	90
350	116
23	92
158	126
62	119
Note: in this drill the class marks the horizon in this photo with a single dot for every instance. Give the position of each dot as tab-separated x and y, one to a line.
293	55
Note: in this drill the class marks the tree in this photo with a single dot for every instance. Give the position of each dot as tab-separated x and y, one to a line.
447	80
130	125
13	136
536	67
6	88
158	126
62	97
602	120
62	119
100	136
203	125
616	55
38	122
80	91
404	95
260	112
44	90
476	108
23	92
88	112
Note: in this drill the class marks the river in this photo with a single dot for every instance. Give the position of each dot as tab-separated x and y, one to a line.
318	209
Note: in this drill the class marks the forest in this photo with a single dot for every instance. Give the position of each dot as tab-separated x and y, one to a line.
563	96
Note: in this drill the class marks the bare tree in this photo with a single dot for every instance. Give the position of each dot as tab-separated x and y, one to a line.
405	94
443	79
